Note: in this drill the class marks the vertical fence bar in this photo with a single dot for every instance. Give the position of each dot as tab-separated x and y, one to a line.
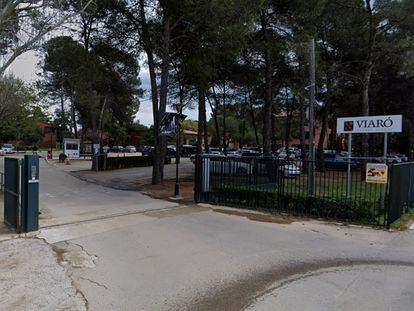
385	161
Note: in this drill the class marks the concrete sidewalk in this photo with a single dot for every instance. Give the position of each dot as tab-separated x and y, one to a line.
32	279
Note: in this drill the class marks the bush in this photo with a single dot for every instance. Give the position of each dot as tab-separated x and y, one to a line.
62	157
346	209
126	162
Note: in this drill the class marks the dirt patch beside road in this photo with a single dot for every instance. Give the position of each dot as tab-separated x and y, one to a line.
166	191
257	216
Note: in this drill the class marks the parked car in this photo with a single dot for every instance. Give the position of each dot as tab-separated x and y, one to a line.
8	148
393	158
233	153
254	149
281	155
403	157
171	151
187	150
336	161
106	149
130	149
117	149
215	152
248	153
289	169
146	150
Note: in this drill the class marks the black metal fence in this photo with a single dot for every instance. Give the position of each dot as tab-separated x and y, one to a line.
282	185
1	182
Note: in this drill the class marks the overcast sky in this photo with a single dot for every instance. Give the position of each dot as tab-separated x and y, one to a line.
24	67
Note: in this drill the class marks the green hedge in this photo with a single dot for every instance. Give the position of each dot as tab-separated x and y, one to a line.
345	209
127	162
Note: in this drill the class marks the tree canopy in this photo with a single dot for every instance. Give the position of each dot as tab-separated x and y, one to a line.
248	61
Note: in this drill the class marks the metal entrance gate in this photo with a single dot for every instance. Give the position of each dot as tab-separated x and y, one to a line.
12	173
21	193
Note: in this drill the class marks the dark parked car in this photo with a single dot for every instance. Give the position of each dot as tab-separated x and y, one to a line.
117	149
130	149
171	152
336	161
187	150
146	150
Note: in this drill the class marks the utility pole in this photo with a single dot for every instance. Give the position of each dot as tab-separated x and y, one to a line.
311	173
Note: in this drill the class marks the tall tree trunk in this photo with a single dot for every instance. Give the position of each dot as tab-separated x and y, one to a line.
287	130
256	134
205	130
322	137
101	116
63	123
165	66
73	113
365	102
302	135
215	119
201	118
224	120
267	124
365	112
366	81
274	129
94	124
149	50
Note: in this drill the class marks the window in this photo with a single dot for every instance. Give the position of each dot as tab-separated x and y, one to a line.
72	146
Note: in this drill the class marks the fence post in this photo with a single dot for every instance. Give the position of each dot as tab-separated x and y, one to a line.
383	188
388	209
197	179
349	179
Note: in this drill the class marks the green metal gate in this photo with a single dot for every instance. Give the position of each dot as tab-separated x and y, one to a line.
12	174
401	192
21	193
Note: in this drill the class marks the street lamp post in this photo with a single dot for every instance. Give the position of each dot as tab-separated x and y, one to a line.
178	119
170	126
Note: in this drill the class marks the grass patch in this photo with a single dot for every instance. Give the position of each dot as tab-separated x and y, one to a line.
404	221
352	210
334	187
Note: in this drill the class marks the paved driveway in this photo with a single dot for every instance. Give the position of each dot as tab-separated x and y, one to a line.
66	199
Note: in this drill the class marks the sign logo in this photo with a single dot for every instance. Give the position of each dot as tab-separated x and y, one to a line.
376	173
348	126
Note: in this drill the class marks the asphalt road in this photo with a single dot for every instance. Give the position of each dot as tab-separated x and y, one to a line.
125	251
129	178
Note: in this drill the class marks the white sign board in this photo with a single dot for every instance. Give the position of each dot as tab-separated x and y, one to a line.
71	147
371	124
